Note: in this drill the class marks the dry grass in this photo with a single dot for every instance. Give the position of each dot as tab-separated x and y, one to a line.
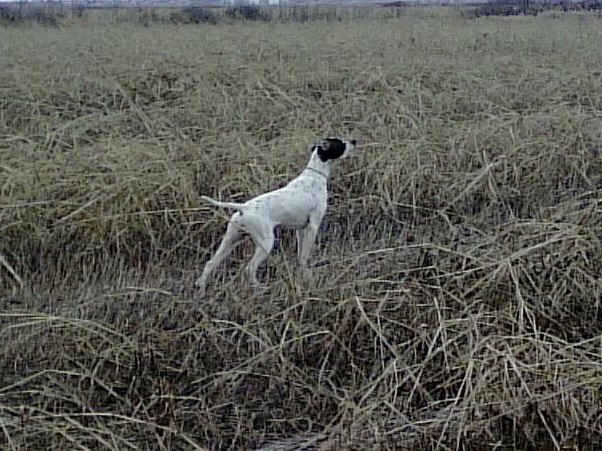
456	303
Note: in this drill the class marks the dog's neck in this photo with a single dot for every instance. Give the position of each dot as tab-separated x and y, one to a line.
316	165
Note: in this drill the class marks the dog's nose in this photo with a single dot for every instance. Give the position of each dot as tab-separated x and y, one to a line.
353	142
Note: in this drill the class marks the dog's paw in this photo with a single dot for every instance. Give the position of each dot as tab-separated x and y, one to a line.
199	287
305	272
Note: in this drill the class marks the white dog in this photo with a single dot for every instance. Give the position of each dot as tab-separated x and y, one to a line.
300	205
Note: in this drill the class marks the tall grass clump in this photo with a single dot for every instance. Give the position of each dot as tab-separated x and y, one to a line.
455	298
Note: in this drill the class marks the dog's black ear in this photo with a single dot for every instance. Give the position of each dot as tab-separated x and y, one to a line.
331	149
321	151
318	149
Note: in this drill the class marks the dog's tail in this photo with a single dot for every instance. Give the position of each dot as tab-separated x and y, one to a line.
217	203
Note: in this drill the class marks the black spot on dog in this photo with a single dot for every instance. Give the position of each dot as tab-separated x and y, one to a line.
331	149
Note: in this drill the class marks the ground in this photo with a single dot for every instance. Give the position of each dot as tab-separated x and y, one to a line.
455	297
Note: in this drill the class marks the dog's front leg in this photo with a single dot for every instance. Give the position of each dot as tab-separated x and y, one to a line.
300	237
306	243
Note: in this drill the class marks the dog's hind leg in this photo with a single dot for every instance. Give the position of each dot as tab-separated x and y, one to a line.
263	247
232	238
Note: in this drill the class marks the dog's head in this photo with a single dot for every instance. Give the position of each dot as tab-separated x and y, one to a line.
334	148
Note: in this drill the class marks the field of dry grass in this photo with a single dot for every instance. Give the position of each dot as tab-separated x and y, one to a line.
456	297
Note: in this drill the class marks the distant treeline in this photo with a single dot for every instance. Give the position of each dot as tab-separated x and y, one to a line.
530	7
53	13
513	7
